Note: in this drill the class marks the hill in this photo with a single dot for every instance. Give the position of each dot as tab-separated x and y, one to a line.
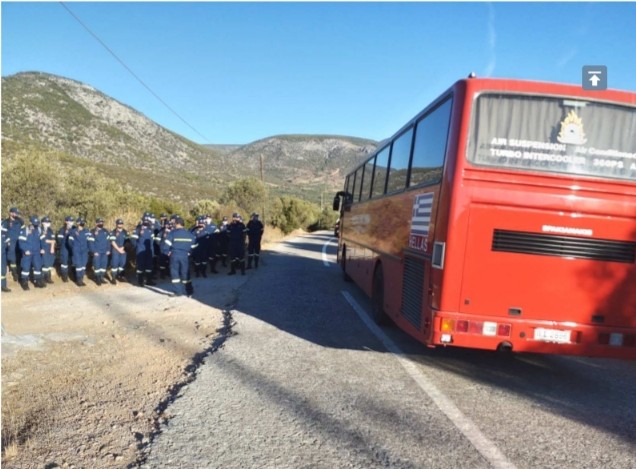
49	112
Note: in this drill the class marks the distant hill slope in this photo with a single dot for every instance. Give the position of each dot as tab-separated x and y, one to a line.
52	112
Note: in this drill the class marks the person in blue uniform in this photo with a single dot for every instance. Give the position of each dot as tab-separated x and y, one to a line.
181	243
63	246
236	244
4	247
118	259
100	249
255	231
12	226
164	249
142	240
213	243
29	244
223	241
78	241
47	244
200	254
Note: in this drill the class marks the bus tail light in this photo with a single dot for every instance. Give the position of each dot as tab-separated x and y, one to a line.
448	325
503	330
461	326
616	339
487	328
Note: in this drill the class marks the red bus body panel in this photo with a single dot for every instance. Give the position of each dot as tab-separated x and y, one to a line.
519	296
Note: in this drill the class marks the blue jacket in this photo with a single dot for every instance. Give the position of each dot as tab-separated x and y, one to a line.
118	237
99	242
79	240
29	239
142	239
181	242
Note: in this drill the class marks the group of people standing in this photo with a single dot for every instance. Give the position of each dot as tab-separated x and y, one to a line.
161	246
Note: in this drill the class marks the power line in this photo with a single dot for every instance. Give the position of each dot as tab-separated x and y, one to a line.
131	72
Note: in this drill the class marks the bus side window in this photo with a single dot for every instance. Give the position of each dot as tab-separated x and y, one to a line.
366	181
381	171
430	146
400	156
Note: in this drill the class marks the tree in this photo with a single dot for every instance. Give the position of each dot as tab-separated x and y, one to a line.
249	194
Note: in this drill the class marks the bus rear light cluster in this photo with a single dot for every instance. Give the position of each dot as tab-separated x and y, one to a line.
488	328
617	340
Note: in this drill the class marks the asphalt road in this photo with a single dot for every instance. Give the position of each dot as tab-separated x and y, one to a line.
305	380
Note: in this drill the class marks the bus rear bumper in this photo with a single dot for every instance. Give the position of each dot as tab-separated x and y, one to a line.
533	336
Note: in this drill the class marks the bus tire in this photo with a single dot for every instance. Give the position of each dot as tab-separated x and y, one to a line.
343	264
377	297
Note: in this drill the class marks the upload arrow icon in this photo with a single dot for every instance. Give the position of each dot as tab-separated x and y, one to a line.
594	77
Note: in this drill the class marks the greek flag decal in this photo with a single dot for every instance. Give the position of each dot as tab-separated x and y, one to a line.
421	221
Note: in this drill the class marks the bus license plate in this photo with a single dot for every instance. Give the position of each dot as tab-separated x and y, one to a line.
552	335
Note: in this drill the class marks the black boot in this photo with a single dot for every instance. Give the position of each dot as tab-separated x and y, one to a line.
121	277
233	268
242	262
39	283
6	289
80	282
197	269
224	261
204	268
48	278
140	280
213	266
65	277
24	283
14	273
149	280
113	279
256	257
249	262
189	289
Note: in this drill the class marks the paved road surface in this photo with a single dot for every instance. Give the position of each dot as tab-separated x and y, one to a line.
304	382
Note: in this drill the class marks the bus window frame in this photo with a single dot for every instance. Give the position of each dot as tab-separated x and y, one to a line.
403	131
535	172
424	115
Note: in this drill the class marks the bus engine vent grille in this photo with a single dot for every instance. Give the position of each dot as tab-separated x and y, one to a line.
413	291
564	246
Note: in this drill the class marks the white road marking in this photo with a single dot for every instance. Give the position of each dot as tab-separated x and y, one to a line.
325	262
465	425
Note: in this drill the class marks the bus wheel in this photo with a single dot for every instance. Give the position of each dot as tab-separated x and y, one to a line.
343	264
379	316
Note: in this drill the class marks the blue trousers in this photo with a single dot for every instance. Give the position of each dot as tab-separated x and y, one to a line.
65	257
100	263
117	263
80	259
180	273
144	262
32	260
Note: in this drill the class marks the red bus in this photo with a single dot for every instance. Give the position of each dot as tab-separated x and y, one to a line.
502	217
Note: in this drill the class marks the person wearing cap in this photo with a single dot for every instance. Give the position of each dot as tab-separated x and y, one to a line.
12	227
29	244
63	246
47	244
78	240
255	231
200	253
118	259
223	241
99	247
180	244
236	244
164	249
3	257
213	243
141	239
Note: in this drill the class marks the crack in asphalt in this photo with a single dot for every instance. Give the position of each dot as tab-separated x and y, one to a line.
162	417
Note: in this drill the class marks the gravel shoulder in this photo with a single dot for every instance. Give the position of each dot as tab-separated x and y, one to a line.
87	373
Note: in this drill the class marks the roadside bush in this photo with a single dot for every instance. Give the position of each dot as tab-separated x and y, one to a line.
290	213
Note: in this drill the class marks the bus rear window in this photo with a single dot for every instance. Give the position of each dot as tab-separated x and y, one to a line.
560	135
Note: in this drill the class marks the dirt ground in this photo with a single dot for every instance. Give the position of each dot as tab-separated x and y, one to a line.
87	373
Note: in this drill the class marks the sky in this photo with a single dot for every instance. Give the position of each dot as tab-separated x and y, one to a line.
234	73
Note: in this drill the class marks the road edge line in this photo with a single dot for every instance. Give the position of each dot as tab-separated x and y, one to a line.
465	425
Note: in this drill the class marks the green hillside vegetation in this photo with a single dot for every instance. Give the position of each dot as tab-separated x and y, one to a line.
70	149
